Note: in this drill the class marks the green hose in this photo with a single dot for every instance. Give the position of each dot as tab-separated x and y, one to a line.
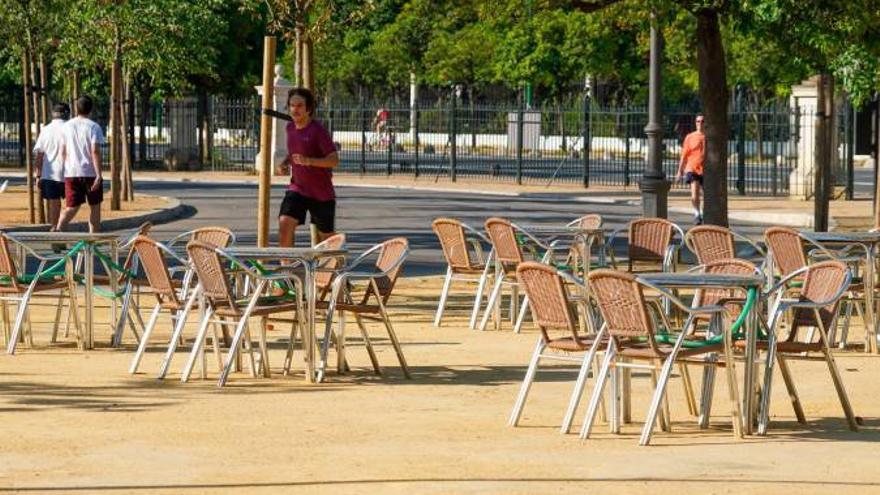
735	329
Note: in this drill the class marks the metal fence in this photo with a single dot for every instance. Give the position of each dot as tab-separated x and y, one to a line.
770	148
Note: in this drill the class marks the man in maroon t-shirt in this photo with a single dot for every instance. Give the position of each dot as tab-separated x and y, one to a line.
311	156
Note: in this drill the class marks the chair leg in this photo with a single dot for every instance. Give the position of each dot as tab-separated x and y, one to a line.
522	315
340	343
443	295
841	391
657	400
688	386
57	324
142	345
4	311
526	384
264	350
247	345
764	419
239	333
119	324
288	358
736	412
792	390
215	344
19	320
593	406
490	306
579	386
662	416
178	332
394	341
484	277
194	353
369	345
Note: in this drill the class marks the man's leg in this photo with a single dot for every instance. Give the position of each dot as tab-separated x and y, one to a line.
95	218
54	212
695	199
66	216
286	230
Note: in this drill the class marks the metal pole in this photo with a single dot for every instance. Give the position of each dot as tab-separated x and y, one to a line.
822	164
654	186
453	137
388	144
587	134
266	142
363	132
740	143
415	129
519	143
850	149
626	147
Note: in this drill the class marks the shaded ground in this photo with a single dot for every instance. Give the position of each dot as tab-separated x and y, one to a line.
79	423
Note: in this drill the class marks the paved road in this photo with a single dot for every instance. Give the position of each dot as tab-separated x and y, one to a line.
370	215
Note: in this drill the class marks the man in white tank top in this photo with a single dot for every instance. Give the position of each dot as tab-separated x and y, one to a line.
81	152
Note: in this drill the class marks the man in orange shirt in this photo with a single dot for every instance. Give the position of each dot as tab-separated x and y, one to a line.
693	155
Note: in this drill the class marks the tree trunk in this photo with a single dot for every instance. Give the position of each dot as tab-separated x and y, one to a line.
75	89
44	85
714	94
299	31
309	64
115	130
38	120
26	116
822	169
145	113
127	188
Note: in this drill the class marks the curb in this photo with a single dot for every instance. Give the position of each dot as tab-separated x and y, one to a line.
173	212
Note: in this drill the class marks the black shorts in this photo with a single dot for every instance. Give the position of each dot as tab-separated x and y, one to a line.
321	213
51	189
690	177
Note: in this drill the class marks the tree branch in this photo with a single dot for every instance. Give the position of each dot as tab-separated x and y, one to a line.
587	6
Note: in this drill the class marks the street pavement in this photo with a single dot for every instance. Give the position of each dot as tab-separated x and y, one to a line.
370	215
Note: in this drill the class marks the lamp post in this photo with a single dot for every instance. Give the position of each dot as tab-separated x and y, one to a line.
654	186
587	137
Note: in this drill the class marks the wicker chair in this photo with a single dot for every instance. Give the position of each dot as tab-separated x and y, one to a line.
52	274
458	241
508	243
591	221
210	264
218	236
551	309
650	243
825	283
171	295
377	285
634	337
712	243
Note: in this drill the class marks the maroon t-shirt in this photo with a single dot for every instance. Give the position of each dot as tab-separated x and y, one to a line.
312	141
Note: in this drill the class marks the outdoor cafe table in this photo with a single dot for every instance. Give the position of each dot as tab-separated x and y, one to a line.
309	257
584	236
869	242
92	240
681	280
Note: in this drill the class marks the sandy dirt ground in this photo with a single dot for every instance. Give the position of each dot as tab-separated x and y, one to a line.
77	422
14	207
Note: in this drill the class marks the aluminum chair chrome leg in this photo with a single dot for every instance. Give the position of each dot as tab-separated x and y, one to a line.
792	390
764	419
490	306
579	385
368	344
178	332
593	406
19	318
522	315
443	295
659	392
527	383
481	286
197	344
239	333
142	346
391	334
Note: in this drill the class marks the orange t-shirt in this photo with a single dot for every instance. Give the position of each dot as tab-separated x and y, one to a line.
694	152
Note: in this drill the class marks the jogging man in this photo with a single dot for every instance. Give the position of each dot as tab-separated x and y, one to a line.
48	164
81	154
311	157
693	156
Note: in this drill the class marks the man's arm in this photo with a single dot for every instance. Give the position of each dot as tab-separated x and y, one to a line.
96	159
329	161
683	160
38	165
283	167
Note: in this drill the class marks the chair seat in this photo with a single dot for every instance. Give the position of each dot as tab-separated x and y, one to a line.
353	308
265	306
785	347
642	350
469	270
570	344
42	285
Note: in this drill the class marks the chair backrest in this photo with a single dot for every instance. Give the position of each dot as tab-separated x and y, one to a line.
649	238
393	252
591	221
7	263
621	302
143	230
324	277
218	236
503	238
453	241
786	248
822	282
212	276
732	266
710	243
548	298
156	269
